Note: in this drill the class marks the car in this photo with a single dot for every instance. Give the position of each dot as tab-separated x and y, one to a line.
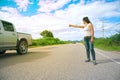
10	39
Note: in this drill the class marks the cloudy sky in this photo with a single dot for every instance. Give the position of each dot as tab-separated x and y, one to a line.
34	16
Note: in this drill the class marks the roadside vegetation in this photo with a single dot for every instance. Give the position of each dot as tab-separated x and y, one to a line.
111	43
47	39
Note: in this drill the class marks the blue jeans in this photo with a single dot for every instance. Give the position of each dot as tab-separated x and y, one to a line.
89	48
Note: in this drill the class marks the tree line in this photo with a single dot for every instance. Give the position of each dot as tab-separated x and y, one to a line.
47	39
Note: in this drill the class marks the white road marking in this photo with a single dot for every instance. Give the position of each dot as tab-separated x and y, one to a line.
108	57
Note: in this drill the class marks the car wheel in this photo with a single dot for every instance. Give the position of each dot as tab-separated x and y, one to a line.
22	47
2	51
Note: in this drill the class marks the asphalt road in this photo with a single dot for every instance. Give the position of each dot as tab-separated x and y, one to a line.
63	62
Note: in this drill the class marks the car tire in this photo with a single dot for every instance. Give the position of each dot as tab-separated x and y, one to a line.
2	51
22	47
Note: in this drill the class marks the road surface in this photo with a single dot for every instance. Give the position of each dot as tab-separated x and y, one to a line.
63	62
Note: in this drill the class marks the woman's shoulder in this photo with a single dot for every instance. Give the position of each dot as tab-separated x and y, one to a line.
90	24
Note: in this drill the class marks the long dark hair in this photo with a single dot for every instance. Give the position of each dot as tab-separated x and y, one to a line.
86	19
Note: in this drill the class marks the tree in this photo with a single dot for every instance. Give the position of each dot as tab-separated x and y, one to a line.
46	33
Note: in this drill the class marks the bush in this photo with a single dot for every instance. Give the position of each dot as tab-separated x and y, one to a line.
111	43
47	41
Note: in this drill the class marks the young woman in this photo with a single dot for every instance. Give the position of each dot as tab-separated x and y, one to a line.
88	38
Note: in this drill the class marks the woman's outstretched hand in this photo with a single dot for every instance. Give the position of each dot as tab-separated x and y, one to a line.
70	25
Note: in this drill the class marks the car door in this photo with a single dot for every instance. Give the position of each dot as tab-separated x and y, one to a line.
10	35
1	36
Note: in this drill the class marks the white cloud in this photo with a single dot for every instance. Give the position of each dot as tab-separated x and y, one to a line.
93	10
9	11
49	5
33	24
58	22
70	34
22	4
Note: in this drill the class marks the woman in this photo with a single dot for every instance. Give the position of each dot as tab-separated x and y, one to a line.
88	38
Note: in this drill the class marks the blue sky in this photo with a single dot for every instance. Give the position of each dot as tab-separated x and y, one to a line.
34	16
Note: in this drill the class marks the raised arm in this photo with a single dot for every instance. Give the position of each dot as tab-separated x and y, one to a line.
76	26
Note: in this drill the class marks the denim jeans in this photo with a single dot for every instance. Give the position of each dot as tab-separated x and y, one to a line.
89	48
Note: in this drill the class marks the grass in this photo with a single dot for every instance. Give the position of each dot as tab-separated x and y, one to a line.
108	48
108	44
47	41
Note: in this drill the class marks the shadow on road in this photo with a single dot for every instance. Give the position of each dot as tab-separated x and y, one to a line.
12	58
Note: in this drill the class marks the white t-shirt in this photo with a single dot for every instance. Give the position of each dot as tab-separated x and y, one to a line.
87	31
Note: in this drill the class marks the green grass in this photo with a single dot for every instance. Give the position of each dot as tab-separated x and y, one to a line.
108	48
47	41
111	43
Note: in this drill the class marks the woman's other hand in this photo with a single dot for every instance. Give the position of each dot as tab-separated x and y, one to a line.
92	40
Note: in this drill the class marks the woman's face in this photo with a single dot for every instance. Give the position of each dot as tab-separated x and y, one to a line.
84	22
